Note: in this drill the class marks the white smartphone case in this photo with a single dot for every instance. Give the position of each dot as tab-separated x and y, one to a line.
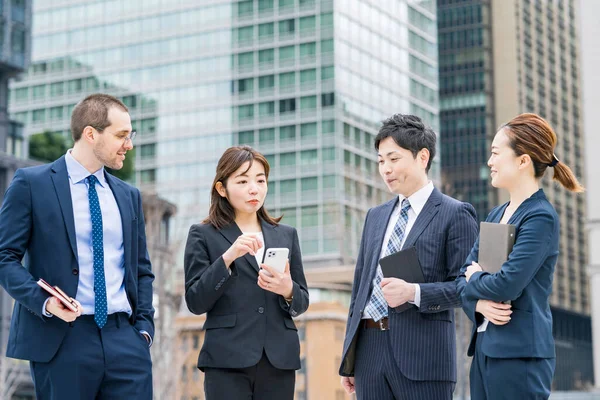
276	258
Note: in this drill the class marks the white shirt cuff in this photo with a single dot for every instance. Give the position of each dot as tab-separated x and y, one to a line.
417	301
147	335
44	312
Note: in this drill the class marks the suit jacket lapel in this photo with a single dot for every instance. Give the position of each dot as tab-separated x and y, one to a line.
60	179
380	226
270	235
424	218
231	232
124	204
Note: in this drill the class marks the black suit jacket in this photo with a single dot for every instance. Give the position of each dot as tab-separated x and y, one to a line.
242	319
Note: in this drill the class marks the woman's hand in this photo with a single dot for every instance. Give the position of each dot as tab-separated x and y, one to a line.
275	281
496	313
247	243
471	269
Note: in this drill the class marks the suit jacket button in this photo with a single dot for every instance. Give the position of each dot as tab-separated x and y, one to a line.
261	310
75	271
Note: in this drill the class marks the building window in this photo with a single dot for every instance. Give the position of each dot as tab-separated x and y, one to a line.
309	157
308	49
287	132
264	5
266	56
287	186
246	137
327	99
308	130
287	53
148	176
328	126
326	73
245	8
246	112
265	30
266	135
326	46
287	79
245	85
287	159
246	59
287	27
307	24
266	108
266	82
308	102
308	76
287	105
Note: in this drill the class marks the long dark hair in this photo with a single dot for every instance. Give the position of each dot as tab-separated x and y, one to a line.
531	134
221	212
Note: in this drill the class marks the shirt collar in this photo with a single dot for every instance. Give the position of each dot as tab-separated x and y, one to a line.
78	173
418	199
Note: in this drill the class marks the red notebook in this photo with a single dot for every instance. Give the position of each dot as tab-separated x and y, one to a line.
59	294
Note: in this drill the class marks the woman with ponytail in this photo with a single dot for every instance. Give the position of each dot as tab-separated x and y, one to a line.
512	343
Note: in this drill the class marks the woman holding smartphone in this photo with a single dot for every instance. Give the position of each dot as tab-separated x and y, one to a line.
251	347
512	344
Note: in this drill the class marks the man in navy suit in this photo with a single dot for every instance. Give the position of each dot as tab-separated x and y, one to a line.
411	354
81	229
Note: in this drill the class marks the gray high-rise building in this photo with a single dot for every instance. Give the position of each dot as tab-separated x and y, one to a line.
306	82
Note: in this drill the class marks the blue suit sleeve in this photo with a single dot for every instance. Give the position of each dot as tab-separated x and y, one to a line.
529	252
145	311
461	236
15	233
468	303
357	271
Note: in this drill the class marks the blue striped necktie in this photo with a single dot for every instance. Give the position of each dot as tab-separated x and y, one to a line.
100	304
377	307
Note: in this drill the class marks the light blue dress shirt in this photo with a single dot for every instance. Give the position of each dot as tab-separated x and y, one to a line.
112	229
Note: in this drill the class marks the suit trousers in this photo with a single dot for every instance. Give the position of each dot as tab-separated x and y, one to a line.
377	376
260	382
509	378
91	363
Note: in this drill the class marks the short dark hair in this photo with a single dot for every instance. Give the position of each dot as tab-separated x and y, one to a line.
410	133
93	111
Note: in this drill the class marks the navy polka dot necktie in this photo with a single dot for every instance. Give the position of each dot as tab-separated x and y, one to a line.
100	305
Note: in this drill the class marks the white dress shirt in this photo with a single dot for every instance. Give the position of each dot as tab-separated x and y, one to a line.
417	201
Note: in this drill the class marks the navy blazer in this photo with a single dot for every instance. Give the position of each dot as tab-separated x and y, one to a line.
525	279
37	223
243	320
423	339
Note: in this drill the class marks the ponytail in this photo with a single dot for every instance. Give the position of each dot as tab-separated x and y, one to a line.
564	175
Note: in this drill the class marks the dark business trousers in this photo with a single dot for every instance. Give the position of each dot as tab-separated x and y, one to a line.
377	377
509	378
260	382
91	363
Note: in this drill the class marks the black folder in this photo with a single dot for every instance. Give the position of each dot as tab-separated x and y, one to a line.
403	265
495	244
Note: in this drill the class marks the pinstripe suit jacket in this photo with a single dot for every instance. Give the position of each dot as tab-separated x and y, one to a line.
423	338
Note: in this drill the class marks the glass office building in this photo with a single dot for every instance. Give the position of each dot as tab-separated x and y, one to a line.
307	82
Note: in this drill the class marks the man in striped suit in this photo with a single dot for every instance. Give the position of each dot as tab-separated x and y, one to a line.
411	354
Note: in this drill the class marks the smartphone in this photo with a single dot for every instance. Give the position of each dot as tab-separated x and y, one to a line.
276	258
59	294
